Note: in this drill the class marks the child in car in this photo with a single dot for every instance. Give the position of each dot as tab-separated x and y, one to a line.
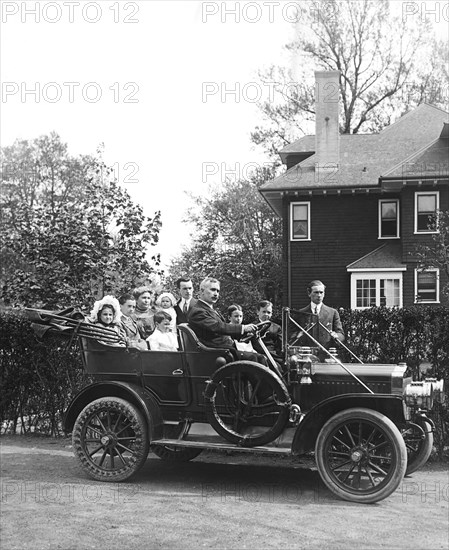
106	313
166	302
162	338
235	314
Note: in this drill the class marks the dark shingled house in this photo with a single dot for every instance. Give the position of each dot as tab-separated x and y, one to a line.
354	206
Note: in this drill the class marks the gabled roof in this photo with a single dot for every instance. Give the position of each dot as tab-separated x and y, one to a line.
386	257
365	158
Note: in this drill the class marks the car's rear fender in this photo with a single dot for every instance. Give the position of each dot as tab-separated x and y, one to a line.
307	431
130	392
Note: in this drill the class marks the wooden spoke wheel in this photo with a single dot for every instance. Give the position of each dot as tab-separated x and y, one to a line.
247	403
110	439
361	455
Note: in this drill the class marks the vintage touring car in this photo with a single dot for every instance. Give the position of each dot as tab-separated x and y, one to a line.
366	424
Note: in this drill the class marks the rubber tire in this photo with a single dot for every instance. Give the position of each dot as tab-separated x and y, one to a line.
391	433
140	444
175	454
255	370
416	460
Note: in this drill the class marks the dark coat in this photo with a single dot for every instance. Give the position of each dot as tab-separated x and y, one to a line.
181	317
329	317
210	327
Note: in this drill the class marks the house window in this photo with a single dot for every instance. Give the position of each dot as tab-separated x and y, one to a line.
372	289
366	292
300	221
426	207
427	285
389	292
388	219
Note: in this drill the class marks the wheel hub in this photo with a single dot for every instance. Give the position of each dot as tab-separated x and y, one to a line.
358	454
107	440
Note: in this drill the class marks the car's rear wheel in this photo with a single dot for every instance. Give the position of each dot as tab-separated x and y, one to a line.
247	403
110	439
361	455
418	437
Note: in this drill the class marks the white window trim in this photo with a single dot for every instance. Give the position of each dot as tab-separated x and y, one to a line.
417	194
437	301
301	203
377	275
381	201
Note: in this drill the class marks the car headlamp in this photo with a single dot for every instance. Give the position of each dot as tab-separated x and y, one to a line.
419	395
438	389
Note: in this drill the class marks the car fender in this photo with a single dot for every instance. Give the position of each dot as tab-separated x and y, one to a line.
133	393
311	424
420	416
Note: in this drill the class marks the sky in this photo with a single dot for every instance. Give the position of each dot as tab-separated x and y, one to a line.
169	87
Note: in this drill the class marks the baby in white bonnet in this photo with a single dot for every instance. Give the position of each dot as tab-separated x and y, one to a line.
166	301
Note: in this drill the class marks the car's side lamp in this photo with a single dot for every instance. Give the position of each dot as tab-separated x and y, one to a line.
306	372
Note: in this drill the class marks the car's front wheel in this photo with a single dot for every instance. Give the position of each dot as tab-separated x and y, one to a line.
110	439
361	455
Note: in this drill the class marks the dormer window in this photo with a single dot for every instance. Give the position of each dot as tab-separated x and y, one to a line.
389	219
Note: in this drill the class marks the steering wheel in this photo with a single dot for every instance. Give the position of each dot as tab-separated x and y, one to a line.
261	329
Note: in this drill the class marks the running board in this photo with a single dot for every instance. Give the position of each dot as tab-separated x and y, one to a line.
220	446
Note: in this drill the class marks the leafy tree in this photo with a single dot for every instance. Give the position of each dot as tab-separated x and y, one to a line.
387	64
72	233
436	252
237	239
34	173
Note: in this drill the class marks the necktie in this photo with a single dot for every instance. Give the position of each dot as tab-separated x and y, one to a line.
184	309
316	310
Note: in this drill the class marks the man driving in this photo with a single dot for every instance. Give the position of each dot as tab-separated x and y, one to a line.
210	327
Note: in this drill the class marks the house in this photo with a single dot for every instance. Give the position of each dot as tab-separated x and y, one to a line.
354	206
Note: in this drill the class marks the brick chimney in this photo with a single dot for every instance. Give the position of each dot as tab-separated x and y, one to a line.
327	133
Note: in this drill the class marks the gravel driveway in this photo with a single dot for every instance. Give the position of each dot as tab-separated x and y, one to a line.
216	501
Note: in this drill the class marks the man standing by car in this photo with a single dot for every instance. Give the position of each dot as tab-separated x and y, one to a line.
186	302
321	321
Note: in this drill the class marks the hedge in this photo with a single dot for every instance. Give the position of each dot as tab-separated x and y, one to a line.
39	380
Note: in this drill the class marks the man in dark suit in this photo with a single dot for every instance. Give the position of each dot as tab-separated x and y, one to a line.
208	324
211	328
186	302
315	314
